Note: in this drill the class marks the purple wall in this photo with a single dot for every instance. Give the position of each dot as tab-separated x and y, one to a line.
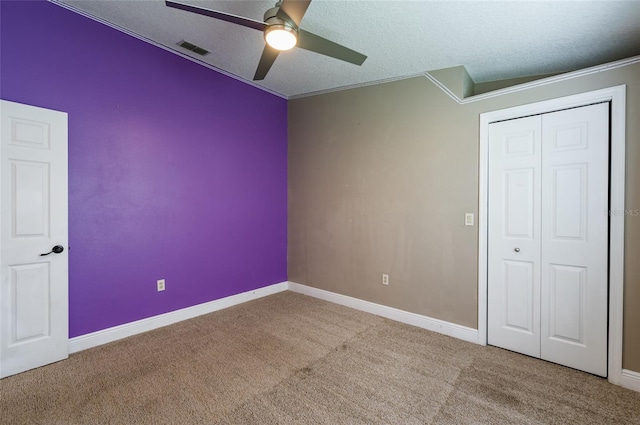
175	171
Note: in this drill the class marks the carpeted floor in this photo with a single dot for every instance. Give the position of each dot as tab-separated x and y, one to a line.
291	359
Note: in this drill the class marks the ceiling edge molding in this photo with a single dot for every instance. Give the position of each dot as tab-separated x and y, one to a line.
176	52
355	86
537	83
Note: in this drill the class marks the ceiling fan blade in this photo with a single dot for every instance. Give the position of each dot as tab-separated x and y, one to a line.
315	43
293	9
240	20
269	55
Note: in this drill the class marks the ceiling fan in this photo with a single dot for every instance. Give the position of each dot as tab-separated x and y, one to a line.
281	28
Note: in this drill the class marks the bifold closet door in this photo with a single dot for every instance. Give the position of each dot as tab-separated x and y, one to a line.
575	233
548	233
514	235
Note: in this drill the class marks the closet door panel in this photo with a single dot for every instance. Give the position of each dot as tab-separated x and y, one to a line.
574	274
514	235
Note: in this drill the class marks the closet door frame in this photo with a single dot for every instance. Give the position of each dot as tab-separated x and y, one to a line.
617	97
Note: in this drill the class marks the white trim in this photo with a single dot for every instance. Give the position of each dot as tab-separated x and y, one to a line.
425	322
536	83
355	86
630	380
616	95
616	231
163	47
115	333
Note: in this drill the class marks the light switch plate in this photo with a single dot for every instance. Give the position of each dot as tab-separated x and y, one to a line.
468	219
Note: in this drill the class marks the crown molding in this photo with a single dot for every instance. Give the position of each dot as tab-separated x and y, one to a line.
536	83
355	86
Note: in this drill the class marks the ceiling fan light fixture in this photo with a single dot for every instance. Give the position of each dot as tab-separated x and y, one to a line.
281	36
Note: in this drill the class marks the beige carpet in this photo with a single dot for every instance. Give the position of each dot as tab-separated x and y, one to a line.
291	359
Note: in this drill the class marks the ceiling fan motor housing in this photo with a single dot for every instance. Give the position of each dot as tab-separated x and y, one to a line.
271	18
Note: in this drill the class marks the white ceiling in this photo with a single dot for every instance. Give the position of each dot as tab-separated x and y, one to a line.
493	40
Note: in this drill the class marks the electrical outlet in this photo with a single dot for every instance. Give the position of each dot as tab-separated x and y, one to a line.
385	279
160	283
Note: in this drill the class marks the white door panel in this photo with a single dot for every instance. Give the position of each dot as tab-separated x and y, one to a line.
519	296
574	238
514	226
567	287
518	209
30	196
548	233
33	219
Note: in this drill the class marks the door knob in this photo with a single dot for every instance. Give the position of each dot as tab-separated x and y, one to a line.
56	250
517	250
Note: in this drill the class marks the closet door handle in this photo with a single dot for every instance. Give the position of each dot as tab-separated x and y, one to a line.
517	250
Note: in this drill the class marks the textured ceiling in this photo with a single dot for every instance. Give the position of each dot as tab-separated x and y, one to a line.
493	40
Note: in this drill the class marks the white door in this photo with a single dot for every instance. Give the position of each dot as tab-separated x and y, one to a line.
560	288
575	234
514	241
33	220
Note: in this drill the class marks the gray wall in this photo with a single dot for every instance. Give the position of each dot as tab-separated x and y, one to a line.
380	178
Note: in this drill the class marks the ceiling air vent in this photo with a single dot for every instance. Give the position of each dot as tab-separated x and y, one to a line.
193	48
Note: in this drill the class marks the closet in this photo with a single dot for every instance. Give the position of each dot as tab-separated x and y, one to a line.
548	232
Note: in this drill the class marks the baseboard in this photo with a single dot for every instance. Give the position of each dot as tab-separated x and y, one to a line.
630	380
425	322
115	333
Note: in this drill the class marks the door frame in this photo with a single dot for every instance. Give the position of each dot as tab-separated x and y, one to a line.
617	97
